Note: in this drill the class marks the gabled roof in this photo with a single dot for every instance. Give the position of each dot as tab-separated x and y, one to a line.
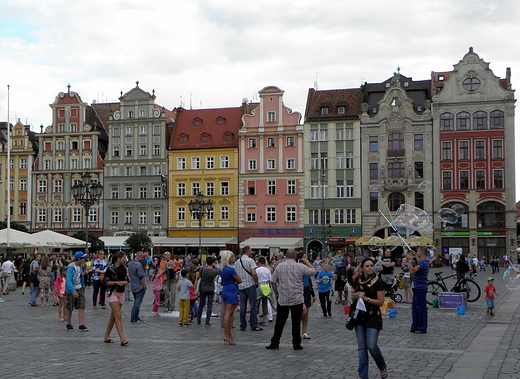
186	125
104	111
349	98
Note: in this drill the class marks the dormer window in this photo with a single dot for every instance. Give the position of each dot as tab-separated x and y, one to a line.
228	137
197	122
204	138
324	111
341	109
387	85
406	84
220	121
183	138
419	108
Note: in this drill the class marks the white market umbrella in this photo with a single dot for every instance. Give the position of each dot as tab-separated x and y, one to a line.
18	239
53	239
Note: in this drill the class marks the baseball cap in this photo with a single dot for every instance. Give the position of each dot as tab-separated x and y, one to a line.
79	255
488	279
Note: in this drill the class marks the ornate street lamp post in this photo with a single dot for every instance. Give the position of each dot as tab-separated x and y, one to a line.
200	209
87	194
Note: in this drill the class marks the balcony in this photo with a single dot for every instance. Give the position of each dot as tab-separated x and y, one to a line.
395	153
396	184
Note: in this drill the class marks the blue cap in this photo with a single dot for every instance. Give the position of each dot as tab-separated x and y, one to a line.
79	255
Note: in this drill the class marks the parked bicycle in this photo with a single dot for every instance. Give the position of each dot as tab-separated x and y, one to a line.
463	285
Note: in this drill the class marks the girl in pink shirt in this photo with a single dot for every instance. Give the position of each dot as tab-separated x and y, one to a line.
59	290
157	287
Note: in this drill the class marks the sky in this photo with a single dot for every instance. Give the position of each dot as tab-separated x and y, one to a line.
214	53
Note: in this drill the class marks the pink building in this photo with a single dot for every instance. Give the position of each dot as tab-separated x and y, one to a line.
271	177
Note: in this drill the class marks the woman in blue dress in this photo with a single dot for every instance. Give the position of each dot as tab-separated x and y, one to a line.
230	281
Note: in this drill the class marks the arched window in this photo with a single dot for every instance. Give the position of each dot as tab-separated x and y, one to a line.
447	123
395	199
479	120
497	120
491	214
463	121
396	145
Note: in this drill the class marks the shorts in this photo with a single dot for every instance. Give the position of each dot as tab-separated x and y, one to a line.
490	303
116	296
407	282
339	285
307	297
72	302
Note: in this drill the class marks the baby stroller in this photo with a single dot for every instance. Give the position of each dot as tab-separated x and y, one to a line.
391	289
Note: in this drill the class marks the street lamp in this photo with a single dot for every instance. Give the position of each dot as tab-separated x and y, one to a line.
199	209
87	194
323	181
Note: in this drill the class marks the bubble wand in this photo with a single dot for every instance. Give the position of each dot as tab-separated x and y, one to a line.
395	230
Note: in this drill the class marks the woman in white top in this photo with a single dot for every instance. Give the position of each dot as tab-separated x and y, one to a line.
264	288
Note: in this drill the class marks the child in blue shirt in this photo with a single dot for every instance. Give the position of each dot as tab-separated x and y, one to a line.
324	280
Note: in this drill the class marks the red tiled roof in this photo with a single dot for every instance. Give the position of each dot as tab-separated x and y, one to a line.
185	126
104	111
350	98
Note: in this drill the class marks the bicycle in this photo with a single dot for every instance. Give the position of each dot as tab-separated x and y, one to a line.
464	285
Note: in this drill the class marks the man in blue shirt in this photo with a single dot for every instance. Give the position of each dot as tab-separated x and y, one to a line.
138	285
420	268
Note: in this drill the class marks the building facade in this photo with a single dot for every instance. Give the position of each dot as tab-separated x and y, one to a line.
271	174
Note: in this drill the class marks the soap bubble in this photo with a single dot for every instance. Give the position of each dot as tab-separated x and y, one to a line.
375	188
511	278
414	241
375	243
429	255
406	223
448	215
392	242
431	249
426	227
449	231
425	187
459	209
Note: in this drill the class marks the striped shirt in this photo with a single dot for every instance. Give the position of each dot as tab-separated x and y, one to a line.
288	277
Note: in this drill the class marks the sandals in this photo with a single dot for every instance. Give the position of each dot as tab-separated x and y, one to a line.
109	340
384	374
124	343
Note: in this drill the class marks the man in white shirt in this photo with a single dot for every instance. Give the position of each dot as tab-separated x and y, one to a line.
246	269
8	270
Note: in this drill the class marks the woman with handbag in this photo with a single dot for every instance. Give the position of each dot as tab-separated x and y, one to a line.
370	290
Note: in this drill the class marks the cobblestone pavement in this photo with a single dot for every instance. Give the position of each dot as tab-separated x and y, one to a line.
36	345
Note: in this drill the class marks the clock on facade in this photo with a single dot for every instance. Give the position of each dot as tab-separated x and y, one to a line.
87	127
48	129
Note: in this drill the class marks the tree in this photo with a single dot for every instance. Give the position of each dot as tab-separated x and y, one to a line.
95	243
14	225
138	242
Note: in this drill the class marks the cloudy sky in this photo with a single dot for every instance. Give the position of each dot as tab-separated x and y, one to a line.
213	53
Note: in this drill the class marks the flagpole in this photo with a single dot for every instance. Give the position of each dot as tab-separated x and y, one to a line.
8	180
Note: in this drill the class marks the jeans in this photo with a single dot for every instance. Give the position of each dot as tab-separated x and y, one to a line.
34	294
282	313
367	342
325	302
245	295
100	289
203	296
419	311
138	299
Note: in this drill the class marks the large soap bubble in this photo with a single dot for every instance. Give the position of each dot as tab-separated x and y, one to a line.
459	209
449	231
375	243
511	278
392	242
375	188
448	215
406	223
425	187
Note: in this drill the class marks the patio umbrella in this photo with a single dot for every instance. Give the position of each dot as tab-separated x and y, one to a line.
419	241
18	239
53	239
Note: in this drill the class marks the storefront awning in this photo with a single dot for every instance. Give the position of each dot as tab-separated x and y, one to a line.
119	242
267	243
341	241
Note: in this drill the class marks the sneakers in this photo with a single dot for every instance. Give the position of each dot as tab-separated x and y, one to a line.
306	336
82	328
70	328
1	300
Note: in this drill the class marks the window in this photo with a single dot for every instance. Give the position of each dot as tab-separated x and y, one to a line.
115	152
270	214
156	150
325	216
115	171
395	199
271	116
324	161
374	202
73	127
447	123
463	150
314	216
57	215
74	164
23	184
463	121
195	163
74	145
157	217
446	151
314	135
497	149
340	160
143	170
271	142
157	192
60	145
224	212
129	151
251	187
114	193
224	161
142	113
114	217
61	128
181	213
58	185
341	109
418	142
480	178
128	192
204	138
464	180
271	187
340	132
479	120
251	214
324	135
142	192
128	217
344	188
130	114
128	171
157	170
252	164
373	144
86	163
339	216
11	188
350	216
418	170
181	163
142	130
396	170
349	160
23	208
183	139
23	163
419	200
315	189
446	180
129	130
291	164
42	185
290	141
324	111
210	189
374	173
479	150
142	217
471	84
290	213
142	150
314	161
497	120
195	189
271	164
396	144
291	187
252	143
491	215
224	188
42	215
47	164
210	163
498	179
